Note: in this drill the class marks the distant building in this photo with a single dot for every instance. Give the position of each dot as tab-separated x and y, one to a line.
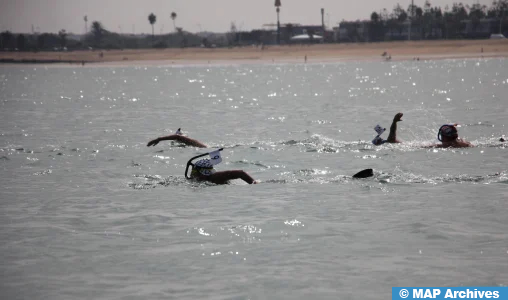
352	31
289	30
480	28
391	30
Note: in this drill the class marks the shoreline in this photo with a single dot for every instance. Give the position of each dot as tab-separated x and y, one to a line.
317	53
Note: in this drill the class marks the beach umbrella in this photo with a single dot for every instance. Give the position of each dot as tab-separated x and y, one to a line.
305	37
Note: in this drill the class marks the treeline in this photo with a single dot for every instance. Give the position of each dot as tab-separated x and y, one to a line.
450	22
97	38
29	42
426	22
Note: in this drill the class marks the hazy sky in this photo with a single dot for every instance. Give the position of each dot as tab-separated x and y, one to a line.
193	15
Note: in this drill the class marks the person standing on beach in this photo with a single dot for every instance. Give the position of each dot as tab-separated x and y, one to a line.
179	137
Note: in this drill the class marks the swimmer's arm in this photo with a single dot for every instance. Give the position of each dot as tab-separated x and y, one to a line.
223	177
392	137
180	138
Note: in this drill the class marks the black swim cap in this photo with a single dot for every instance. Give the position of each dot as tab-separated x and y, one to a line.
447	130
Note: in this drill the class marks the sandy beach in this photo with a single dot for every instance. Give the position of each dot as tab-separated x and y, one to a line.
406	50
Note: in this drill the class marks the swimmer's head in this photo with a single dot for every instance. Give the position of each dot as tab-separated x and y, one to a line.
203	163
203	167
378	141
447	133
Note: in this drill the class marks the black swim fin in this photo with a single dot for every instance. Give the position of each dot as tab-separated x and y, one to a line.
364	173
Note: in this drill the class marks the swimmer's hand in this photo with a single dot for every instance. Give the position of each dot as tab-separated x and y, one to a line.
153	142
398	117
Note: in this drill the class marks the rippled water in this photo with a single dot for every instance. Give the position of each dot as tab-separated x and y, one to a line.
89	212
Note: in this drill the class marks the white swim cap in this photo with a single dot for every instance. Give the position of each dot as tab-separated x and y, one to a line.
204	163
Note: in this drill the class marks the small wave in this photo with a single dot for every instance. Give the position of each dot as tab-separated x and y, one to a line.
153	181
135	164
246	162
141	186
180	145
317	176
462	178
146	219
490	143
311	176
277	181
231	146
24	150
250	229
321	144
310	172
485	124
291	142
45	172
148	177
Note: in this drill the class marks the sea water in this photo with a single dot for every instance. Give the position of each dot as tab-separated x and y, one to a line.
88	211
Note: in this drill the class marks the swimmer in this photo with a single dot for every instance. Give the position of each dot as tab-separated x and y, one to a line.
392	137
203	170
179	137
449	137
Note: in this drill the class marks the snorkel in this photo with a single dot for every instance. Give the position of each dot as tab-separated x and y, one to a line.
215	158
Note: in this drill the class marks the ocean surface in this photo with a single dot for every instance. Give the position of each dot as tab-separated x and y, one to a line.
88	211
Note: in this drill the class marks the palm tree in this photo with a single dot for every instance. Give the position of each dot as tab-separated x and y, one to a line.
152	19
278	5
173	17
